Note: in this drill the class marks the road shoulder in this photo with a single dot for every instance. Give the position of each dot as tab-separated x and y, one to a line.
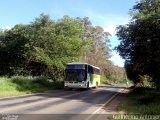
111	109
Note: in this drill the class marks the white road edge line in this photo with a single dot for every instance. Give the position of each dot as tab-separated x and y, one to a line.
90	116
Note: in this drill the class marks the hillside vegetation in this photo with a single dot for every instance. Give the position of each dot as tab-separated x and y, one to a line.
44	46
140	47
23	85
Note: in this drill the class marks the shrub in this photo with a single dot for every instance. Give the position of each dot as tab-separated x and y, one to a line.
146	80
21	85
20	80
141	101
146	98
58	85
41	80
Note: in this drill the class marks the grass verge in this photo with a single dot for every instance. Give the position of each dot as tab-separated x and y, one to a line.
141	101
103	81
18	85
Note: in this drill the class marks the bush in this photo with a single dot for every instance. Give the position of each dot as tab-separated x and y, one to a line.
145	98
146	80
20	85
41	80
141	101
104	80
58	85
20	80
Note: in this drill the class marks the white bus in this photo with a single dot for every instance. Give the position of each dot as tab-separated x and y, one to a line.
81	75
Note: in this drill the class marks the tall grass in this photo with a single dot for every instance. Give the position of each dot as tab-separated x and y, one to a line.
104	81
22	85
141	101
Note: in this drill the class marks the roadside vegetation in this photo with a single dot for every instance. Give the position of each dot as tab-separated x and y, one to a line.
140	47
142	101
43	48
104	81
17	85
140	42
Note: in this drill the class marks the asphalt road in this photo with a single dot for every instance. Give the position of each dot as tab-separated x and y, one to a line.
58	104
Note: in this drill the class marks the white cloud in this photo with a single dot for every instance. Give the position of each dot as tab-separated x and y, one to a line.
116	59
113	22
111	28
108	21
6	28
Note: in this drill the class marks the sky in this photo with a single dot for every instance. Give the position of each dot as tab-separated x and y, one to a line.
105	13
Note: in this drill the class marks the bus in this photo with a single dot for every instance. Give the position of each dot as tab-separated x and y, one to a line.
81	75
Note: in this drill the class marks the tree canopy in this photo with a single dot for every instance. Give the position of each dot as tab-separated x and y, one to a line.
43	47
140	41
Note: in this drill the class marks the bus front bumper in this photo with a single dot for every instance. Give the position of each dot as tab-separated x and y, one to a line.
74	85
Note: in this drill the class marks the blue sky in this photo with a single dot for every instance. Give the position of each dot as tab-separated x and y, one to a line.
105	13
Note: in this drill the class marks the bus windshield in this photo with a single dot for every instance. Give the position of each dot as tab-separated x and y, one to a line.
75	75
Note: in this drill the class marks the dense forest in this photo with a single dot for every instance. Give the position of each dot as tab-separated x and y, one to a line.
140	43
43	47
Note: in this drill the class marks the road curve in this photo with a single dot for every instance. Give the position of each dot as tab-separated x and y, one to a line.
58	104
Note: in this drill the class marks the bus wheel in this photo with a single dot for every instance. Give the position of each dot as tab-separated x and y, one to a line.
88	85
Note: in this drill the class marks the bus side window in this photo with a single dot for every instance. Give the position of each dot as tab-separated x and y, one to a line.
89	69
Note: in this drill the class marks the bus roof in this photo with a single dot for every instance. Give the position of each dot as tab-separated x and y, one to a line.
79	63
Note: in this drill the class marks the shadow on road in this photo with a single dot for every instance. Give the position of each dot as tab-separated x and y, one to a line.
91	97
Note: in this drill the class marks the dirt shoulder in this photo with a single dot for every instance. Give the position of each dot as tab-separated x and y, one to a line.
110	109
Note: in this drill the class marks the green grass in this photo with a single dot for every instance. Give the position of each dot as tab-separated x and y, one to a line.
118	83
123	84
144	101
103	81
24	85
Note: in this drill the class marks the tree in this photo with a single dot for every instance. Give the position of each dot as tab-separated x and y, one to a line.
12	50
56	43
42	47
99	50
114	74
140	41
96	44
